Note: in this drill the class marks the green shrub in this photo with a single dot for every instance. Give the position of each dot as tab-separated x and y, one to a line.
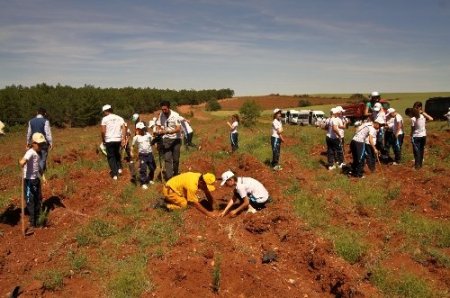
250	111
304	103
213	105
52	279
78	262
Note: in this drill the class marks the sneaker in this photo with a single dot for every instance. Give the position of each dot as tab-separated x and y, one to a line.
330	168
115	178
151	182
395	163
277	168
144	186
251	209
341	165
120	171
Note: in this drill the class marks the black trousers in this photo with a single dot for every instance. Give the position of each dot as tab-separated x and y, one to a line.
146	161
113	156
335	151
171	151
234	140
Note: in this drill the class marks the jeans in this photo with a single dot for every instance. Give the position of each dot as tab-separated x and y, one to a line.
358	154
276	149
370	157
418	150
234	140
33	198
398	143
43	154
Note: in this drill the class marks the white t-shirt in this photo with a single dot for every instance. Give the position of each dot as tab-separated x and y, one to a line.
113	125
335	121
344	122
247	185
234	127
169	123
363	132
398	121
144	143
373	133
390	123
381	117
31	168
187	129
276	126
418	127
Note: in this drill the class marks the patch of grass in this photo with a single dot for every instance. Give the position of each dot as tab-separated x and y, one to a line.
127	193
347	244
85	238
42	218
311	209
52	279
102	228
393	193
425	230
130	279
216	274
77	262
401	284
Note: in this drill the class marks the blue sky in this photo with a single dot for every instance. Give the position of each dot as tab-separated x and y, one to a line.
254	47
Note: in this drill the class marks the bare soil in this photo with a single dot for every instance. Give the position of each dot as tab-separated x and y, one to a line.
303	263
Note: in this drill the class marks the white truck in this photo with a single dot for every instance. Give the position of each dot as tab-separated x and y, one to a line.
309	117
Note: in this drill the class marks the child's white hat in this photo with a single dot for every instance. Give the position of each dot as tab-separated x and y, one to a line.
225	176
140	125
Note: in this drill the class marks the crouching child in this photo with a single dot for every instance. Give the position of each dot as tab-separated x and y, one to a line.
251	194
31	179
146	161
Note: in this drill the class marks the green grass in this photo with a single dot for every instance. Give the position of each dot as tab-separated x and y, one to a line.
348	244
78	261
424	230
402	284
216	274
312	209
52	279
130	278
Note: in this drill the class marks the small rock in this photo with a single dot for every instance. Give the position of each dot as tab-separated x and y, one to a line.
269	256
291	281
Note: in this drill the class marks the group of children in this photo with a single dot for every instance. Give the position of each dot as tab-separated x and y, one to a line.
374	138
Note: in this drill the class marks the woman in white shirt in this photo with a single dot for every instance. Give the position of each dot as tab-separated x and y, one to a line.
276	139
234	136
418	132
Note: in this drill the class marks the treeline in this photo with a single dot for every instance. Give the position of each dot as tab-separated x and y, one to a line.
75	107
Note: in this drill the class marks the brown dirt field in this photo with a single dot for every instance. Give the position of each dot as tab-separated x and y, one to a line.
305	266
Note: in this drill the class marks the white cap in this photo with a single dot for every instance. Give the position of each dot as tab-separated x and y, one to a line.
374	94
106	107
135	117
276	110
340	109
38	138
140	125
380	119
377	107
227	175
390	110
334	110
151	123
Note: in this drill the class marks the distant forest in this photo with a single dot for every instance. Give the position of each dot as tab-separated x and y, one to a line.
77	107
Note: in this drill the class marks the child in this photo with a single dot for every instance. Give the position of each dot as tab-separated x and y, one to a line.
32	183
234	136
276	139
418	132
252	194
143	140
358	146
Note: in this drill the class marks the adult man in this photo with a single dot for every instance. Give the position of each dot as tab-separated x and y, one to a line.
169	127
374	98
113	131
42	125
181	190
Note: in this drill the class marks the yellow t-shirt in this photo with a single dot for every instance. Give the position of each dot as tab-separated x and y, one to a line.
185	185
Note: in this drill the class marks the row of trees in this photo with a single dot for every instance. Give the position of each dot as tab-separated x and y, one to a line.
69	106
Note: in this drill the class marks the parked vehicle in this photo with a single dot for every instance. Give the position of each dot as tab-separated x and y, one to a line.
437	107
292	116
284	116
308	117
355	112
